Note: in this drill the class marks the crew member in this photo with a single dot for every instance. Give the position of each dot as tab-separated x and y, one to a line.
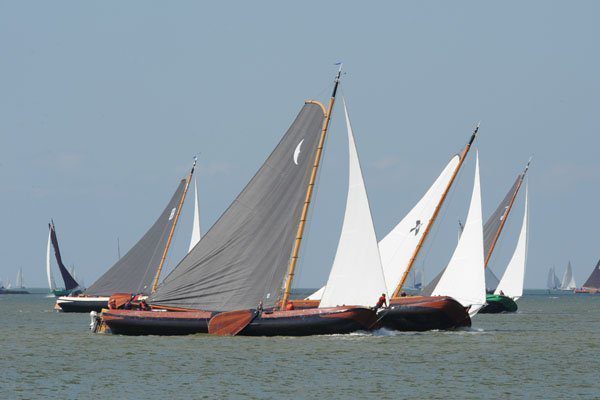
381	302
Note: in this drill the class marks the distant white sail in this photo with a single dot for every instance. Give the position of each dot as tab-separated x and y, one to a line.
51	283
398	246
196	234
464	277
356	277
568	281
19	282
511	284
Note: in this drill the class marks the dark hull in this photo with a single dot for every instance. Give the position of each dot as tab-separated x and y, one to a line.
82	306
323	321
338	320
13	291
122	322
421	313
496	304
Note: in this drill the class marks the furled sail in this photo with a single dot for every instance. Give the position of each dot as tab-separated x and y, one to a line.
135	271
49	274
196	234
511	284
242	259
593	282
463	278
568	280
70	282
356	277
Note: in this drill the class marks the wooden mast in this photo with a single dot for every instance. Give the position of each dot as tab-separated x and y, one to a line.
505	215
462	156
309	191
179	207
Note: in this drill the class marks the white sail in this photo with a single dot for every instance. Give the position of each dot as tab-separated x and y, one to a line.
464	277
568	281
51	284
398	246
511	284
356	277
19	282
196	234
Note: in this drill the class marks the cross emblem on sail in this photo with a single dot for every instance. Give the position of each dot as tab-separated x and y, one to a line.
417	227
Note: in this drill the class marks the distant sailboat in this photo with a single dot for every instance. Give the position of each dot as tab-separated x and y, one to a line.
19	286
464	278
568	280
138	271
592	285
70	284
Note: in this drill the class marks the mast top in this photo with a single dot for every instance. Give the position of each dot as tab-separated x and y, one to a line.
527	166
474	135
337	78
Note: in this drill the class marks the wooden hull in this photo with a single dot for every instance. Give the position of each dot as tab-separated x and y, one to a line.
421	313
587	291
496	304
81	304
325	321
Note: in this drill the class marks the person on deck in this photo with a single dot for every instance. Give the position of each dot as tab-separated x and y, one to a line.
381	302
289	306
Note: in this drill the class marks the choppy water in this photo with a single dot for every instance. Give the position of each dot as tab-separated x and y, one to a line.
549	349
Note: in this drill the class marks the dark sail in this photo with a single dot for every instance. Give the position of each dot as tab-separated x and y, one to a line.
490	230
243	258
135	271
70	282
593	282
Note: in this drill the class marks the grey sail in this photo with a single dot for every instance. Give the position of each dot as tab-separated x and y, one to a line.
135	271
550	282
490	230
593	282
243	258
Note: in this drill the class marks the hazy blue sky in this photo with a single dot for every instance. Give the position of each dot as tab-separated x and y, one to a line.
103	106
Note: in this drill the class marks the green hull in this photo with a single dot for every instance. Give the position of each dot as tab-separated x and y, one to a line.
498	304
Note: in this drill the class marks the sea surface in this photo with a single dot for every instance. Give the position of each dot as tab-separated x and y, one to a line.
549	349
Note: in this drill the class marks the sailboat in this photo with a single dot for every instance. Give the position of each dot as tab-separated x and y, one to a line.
498	301
464	277
138	271
592	284
70	284
510	287
237	280
568	280
19	287
553	282
399	251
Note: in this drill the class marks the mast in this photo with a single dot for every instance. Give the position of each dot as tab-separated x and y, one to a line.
309	190
179	207
463	155
505	215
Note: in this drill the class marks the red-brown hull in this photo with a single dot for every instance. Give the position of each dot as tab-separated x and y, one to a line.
317	321
421	313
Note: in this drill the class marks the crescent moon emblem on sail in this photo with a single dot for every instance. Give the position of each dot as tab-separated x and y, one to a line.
297	152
